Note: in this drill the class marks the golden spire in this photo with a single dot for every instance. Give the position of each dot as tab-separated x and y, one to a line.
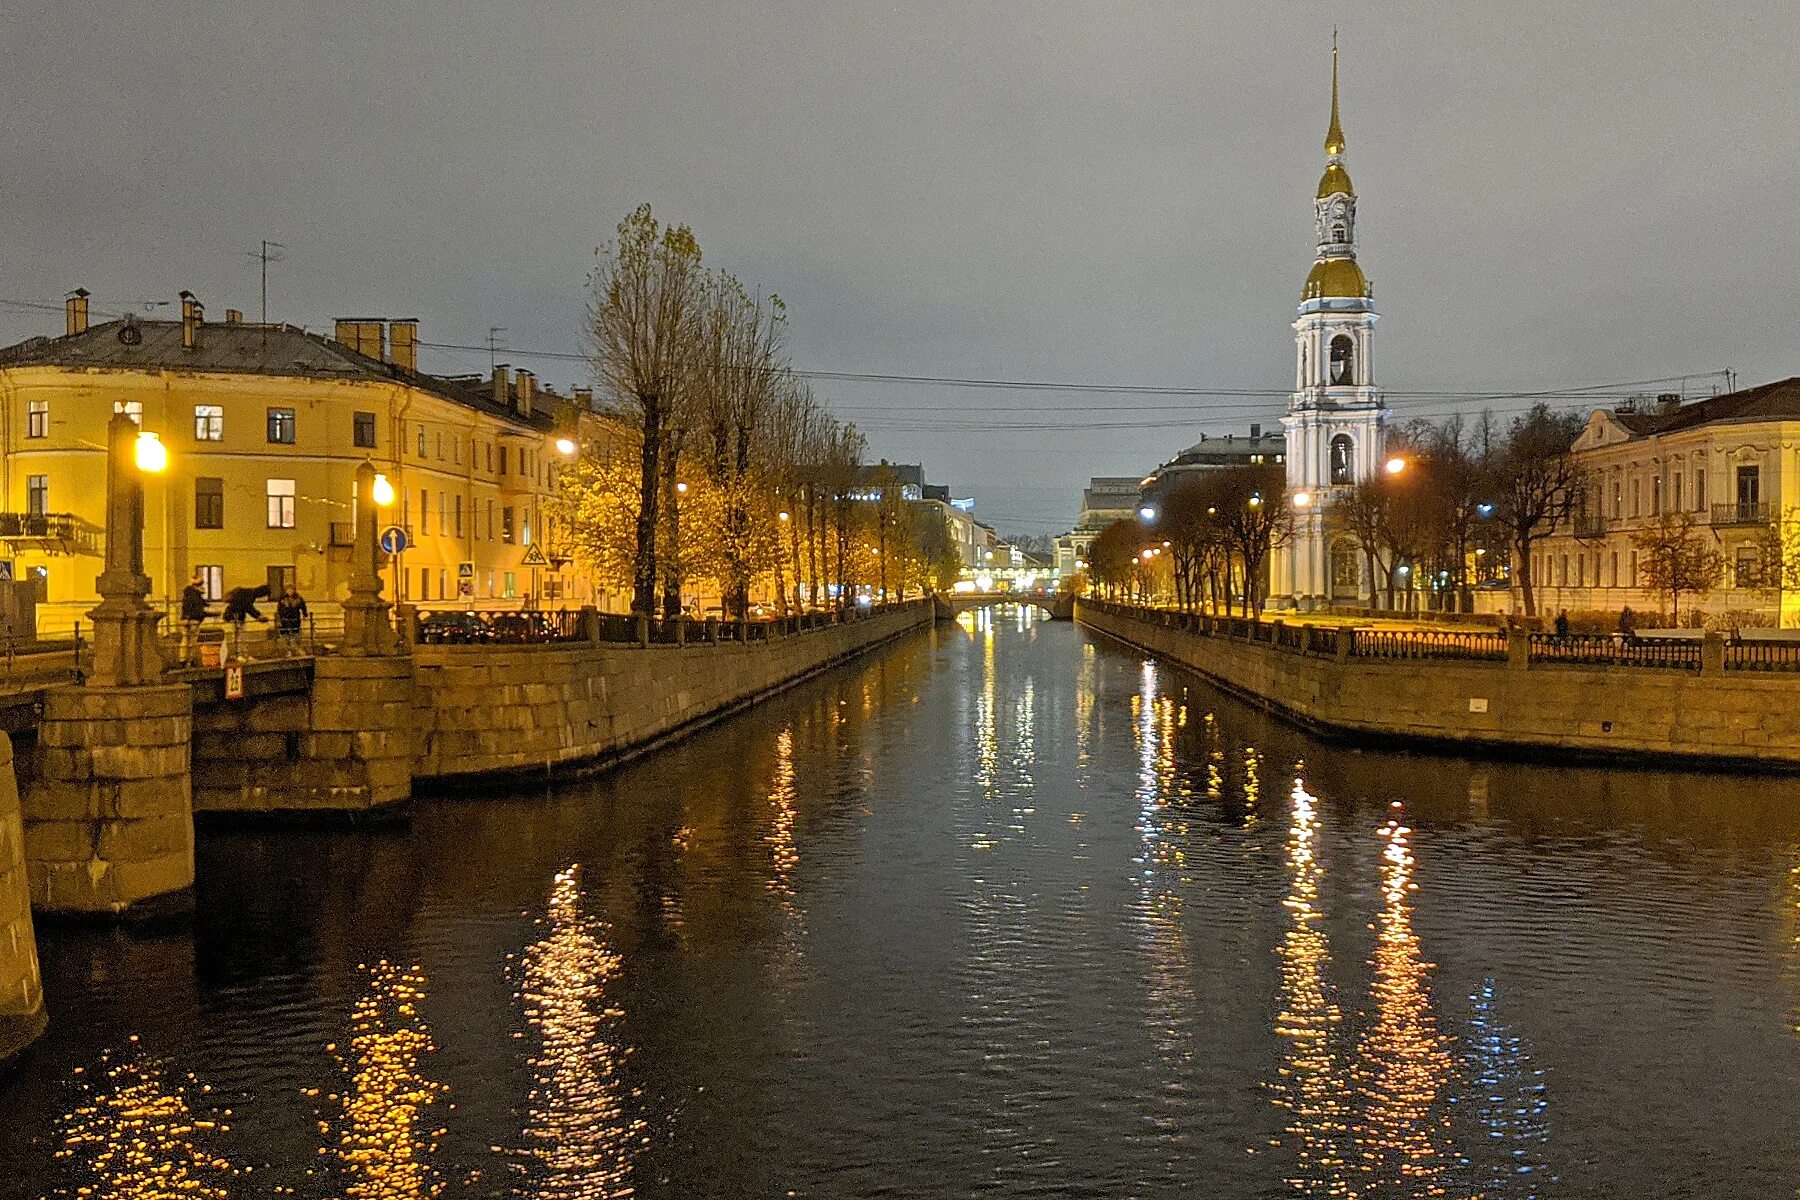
1334	137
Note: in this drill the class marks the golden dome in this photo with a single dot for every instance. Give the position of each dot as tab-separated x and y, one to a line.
1335	180
1336	278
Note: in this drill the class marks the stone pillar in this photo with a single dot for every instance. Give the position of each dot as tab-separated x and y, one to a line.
125	652
109	822
1518	648
368	629
21	992
1712	653
360	747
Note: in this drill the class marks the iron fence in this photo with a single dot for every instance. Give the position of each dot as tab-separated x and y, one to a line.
1762	656
1411	644
1605	649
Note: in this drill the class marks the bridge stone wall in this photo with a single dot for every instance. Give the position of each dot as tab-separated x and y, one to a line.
21	991
539	709
345	747
1628	712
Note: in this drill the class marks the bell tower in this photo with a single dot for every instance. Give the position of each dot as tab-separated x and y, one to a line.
1336	420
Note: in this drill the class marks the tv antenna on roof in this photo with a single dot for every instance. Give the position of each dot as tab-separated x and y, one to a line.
495	344
271	252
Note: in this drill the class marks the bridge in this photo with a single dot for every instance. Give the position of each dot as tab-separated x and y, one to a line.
1060	606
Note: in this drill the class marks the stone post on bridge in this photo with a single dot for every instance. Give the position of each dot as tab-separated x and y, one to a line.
109	823
358	752
21	992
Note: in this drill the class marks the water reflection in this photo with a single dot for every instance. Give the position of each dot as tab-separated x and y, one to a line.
1509	1105
1312	1087
1404	1063
381	1134
578	1136
135	1136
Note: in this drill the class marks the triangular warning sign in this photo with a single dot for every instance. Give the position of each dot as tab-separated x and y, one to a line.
534	557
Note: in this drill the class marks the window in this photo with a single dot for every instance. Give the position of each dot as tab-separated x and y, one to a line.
1562	574
1675	501
440	446
37	495
443	584
281	426
421	441
443	512
1745	571
424	583
424	512
511	583
503	460
209	503
1656	495
1634	579
212	581
281	503
1613	567
1343	360
1700	488
1343	454
490	535
209	423
131	408
362	430
490	462
506	526
37	419
1618	493
1749	492
456	449
459	525
279	578
1635	507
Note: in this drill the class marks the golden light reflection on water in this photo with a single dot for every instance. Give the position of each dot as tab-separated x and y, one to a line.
1404	1063
134	1136
381	1135
1162	832
1311	1087
580	1141
987	735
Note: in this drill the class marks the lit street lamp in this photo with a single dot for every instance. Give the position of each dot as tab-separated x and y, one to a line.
125	651
1395	465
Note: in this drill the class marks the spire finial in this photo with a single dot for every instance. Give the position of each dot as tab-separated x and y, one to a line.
1334	137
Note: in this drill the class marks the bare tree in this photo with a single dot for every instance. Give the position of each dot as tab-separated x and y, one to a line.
1537	486
1676	560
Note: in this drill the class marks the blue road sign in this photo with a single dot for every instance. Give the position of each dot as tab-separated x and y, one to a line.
393	539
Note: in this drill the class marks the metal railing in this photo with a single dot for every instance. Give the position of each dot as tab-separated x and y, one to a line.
72	534
572	626
1605	649
1762	656
1741	512
1410	644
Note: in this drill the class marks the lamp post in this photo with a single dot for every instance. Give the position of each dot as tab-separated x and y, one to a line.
125	650
367	629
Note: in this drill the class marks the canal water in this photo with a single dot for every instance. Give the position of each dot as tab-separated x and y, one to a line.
1004	911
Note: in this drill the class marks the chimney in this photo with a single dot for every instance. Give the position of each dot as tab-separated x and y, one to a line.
502	389
1255	432
193	315
584	398
361	335
75	312
1667	402
526	393
403	343
234	316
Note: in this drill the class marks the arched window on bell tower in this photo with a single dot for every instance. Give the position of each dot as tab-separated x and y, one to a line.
1343	361
1343	459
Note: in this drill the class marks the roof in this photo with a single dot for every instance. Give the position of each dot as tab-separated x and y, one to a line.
1778	401
246	349
1335	277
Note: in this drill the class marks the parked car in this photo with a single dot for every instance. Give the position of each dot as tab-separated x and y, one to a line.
453	628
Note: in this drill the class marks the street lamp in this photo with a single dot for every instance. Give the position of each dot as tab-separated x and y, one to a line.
382	492
1148	512
1302	499
152	456
565	446
782	515
1395	465
681	489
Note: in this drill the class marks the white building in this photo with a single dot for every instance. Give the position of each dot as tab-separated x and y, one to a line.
1336	420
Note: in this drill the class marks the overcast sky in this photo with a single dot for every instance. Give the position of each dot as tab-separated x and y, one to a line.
1551	194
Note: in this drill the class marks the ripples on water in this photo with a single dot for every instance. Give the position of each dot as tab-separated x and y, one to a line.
1008	911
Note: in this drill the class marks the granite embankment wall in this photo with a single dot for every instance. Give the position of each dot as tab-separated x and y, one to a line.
1705	716
539	709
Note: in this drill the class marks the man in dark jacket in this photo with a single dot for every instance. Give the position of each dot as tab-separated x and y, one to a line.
193	612
240	606
290	611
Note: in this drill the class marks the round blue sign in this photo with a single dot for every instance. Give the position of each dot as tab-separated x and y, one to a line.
393	539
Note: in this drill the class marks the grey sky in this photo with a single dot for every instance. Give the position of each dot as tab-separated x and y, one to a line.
1551	194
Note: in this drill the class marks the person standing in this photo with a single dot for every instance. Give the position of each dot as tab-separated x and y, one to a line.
240	606
193	613
290	611
1562	623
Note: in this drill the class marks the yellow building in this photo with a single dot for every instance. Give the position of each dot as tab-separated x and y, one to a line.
1732	462
265	426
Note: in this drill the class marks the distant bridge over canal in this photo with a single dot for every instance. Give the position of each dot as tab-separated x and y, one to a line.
1060	606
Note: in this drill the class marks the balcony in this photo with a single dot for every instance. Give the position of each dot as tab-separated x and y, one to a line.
52	533
1743	512
1589	526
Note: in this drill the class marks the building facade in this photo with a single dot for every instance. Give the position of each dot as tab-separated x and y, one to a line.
265	426
1336	420
1731	463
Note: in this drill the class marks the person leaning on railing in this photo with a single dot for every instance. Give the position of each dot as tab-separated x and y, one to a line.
193	614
